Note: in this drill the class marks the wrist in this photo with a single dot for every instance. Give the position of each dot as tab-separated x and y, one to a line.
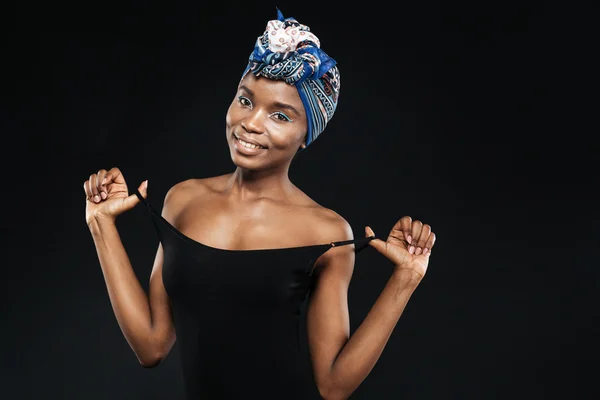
99	222
407	276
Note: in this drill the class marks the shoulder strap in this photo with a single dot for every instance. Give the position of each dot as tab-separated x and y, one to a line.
139	196
360	243
146	202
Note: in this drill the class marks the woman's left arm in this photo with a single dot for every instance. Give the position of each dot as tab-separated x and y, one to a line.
341	362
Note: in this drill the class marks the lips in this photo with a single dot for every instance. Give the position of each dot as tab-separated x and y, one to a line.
246	150
248	140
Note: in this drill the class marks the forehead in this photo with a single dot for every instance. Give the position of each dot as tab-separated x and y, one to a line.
271	90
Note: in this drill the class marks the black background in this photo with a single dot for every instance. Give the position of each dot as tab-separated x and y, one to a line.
451	113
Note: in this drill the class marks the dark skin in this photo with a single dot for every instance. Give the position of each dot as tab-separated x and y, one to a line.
257	206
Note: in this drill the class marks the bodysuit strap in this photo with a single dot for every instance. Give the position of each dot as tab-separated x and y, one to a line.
139	196
360	243
146	202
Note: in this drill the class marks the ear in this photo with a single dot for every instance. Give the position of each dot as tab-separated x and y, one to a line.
303	145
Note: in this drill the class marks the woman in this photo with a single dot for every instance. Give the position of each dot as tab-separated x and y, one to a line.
246	258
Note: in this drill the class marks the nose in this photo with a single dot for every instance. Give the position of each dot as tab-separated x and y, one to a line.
254	123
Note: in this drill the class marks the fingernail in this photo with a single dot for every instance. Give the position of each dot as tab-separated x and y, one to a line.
411	249
418	251
425	250
409	238
103	181
103	195
96	198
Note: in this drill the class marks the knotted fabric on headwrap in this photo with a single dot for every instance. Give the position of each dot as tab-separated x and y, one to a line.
289	51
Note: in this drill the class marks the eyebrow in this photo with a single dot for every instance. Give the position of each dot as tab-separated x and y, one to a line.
276	104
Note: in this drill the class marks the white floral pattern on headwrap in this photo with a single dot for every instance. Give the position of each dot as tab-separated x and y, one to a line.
283	37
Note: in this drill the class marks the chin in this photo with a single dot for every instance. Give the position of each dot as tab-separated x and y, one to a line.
251	163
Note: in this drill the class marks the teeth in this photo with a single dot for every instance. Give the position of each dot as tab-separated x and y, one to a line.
249	145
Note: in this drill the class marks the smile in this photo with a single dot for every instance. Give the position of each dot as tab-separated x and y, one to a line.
246	144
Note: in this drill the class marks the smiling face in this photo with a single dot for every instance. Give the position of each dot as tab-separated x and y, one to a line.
265	124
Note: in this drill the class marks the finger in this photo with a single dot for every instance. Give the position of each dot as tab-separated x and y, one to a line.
430	242
86	189
101	187
378	244
369	232
416	227
93	188
143	189
406	227
107	179
423	237
397	232
132	200
113	175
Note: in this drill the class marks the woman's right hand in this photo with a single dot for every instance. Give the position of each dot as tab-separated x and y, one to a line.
107	195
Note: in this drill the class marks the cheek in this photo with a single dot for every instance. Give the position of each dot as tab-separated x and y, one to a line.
230	117
283	137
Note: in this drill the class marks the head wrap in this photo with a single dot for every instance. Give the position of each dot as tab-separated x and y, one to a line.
289	51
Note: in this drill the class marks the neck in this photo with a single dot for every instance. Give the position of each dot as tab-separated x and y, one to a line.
251	185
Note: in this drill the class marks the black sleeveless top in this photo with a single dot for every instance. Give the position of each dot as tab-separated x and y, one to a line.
240	315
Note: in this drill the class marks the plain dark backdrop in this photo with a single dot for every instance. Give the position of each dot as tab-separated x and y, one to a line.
447	114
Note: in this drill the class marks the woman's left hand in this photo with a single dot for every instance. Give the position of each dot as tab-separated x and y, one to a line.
408	245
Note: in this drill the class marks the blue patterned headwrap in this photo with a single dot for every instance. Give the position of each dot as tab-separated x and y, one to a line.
289	51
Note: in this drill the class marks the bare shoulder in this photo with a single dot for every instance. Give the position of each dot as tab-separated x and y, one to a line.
181	193
331	225
328	225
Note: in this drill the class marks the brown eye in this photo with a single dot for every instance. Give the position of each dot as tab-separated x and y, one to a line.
245	101
282	117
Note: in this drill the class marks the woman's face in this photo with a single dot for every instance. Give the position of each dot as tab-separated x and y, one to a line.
265	124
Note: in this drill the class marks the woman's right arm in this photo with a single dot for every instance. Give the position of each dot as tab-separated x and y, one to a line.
145	320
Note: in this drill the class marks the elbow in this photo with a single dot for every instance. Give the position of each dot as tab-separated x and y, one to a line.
331	393
153	353
149	362
329	396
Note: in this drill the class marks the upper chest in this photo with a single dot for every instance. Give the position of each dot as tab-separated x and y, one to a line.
218	222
